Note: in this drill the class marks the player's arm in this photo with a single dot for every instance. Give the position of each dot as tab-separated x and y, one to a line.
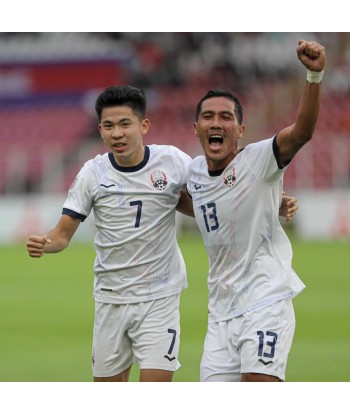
185	205
289	206
54	241
290	140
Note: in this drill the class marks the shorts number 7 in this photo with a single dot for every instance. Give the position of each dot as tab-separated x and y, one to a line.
167	356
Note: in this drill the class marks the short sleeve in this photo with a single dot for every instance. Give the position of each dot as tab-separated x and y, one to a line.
79	201
261	159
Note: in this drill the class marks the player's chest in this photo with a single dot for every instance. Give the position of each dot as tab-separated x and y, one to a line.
155	181
223	202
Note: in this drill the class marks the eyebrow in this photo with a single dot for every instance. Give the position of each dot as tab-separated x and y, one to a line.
119	121
219	112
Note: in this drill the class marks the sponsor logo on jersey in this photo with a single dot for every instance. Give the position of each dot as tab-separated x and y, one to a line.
230	177
158	179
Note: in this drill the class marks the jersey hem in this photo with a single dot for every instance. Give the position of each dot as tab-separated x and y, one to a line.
255	306
110	300
172	367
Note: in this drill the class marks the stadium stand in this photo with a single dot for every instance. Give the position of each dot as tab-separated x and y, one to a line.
49	81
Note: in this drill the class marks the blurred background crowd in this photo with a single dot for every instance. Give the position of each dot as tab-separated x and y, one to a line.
49	83
48	128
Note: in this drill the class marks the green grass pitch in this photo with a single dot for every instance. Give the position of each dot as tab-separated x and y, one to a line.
46	311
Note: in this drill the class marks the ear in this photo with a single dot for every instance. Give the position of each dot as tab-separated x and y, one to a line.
241	131
195	129
100	129
145	125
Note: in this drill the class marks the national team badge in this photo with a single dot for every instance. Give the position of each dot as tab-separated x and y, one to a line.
158	179
230	177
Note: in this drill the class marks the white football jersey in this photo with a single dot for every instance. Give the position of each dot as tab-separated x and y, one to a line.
137	255
237	211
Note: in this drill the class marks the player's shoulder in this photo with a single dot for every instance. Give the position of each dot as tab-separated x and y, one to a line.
164	148
96	161
93	165
198	162
167	149
257	145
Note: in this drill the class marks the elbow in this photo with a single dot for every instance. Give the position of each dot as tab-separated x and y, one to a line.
302	140
301	137
63	244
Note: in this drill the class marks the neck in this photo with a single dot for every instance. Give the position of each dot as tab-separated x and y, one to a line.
221	164
130	160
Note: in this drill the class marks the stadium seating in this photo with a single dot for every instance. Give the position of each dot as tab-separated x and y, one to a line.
36	136
48	86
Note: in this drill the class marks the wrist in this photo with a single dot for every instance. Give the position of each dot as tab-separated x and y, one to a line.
314	77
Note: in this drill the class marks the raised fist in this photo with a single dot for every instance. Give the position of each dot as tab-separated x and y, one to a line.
311	55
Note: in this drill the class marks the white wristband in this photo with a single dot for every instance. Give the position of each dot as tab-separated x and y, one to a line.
314	77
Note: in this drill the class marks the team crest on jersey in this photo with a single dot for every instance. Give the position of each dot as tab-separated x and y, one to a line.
230	177
158	179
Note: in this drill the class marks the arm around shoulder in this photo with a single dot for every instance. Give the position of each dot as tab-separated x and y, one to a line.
185	205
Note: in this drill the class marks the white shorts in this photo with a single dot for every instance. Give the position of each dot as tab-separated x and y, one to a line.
144	333
256	342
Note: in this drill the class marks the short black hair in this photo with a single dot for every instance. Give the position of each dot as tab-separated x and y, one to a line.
130	96
222	93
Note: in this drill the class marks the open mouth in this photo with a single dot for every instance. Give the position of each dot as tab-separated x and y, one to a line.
119	146
215	141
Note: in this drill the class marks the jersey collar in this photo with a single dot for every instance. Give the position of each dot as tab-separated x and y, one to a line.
132	168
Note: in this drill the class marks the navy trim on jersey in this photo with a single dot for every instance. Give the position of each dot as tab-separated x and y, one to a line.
214	173
73	214
133	168
276	153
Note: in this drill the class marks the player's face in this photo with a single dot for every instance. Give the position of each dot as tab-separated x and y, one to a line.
218	131
122	132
